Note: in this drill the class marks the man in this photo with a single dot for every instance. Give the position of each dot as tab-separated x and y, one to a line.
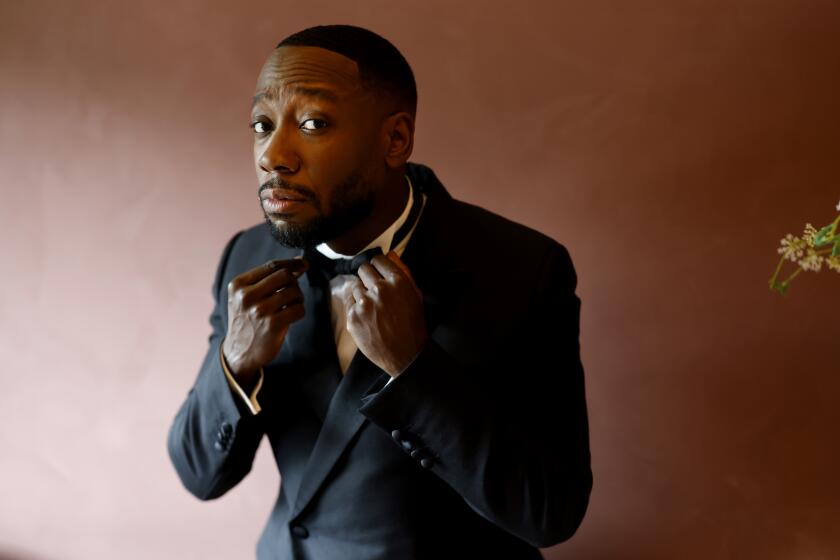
424	399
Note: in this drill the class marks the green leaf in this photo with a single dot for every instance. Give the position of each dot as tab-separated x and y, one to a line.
822	237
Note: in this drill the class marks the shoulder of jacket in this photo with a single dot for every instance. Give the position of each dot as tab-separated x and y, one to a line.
485	226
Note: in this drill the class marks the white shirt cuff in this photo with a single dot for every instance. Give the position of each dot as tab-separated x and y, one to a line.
249	400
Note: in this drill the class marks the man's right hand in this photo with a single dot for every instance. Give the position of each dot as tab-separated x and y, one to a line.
262	303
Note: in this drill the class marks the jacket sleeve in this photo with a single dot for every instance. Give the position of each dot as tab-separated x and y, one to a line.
214	437
518	457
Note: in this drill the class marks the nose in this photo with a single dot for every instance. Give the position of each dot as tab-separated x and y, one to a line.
279	154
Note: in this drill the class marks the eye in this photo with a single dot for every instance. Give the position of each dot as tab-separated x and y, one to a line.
313	124
260	127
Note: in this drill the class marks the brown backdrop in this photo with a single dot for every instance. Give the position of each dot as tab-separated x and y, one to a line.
668	144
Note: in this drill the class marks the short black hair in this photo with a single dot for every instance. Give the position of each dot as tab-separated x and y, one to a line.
381	66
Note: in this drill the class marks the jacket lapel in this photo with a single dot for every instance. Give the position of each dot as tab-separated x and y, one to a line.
436	270
338	398
343	422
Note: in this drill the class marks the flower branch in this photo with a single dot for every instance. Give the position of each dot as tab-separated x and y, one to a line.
808	253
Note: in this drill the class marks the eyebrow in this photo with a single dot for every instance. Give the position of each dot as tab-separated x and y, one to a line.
316	92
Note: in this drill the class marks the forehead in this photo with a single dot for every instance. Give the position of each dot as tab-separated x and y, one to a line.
308	70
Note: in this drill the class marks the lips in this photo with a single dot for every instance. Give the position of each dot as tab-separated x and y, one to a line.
278	195
278	201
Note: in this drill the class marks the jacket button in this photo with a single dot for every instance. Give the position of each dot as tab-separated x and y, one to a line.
407	445
300	531
227	429
397	435
426	463
219	446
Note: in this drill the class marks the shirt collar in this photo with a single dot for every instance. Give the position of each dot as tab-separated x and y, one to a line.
385	238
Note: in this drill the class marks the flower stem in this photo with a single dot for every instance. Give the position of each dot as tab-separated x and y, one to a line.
776	274
792	276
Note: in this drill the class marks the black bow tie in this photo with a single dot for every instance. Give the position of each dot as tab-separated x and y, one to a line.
334	267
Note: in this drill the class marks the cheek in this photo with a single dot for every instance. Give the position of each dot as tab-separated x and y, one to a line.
331	164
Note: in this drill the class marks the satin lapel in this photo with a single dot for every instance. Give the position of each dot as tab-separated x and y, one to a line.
438	275
436	269
341	425
311	345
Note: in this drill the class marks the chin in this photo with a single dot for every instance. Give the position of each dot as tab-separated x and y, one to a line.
279	220
293	234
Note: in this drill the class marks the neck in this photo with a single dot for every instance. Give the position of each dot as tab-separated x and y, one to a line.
388	205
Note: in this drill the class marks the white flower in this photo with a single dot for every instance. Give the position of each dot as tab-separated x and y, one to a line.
812	261
838	206
792	248
810	234
833	263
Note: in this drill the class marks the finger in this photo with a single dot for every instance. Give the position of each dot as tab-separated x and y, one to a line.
258	273
359	295
288	315
277	280
280	299
369	276
395	258
352	286
386	267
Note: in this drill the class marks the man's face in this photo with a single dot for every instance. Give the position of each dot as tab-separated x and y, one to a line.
316	148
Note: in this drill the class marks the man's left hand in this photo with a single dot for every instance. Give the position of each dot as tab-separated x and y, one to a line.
385	314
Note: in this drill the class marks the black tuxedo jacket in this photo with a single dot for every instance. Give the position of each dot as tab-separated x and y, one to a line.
479	449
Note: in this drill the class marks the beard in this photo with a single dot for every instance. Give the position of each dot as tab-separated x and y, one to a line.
351	201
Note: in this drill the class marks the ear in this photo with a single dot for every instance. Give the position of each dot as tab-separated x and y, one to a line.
398	138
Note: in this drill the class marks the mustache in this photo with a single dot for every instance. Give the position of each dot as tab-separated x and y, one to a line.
279	183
